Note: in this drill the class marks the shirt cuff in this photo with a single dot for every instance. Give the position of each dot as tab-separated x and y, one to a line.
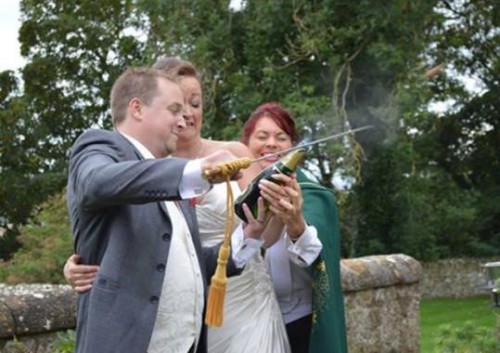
243	248
306	249
192	182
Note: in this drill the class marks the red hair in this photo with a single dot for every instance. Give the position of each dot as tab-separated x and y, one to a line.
277	113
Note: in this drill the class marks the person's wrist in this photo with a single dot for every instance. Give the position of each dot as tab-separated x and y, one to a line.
296	230
293	239
249	233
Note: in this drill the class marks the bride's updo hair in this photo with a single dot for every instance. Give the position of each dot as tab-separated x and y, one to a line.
176	68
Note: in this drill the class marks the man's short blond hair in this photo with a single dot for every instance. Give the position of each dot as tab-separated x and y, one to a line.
140	83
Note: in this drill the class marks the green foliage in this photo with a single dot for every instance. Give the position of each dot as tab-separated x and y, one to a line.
19	347
467	338
435	314
74	51
431	190
417	212
464	142
46	244
23	165
65	342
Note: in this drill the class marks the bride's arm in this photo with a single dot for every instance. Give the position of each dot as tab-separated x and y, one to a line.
273	231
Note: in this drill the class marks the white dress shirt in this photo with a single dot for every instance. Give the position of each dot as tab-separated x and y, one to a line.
289	266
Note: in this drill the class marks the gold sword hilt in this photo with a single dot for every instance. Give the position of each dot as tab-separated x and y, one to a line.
225	169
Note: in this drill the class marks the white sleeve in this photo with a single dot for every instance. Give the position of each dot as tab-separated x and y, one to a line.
243	249
192	182
306	249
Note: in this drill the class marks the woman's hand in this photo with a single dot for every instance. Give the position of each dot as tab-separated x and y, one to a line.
254	227
285	200
79	276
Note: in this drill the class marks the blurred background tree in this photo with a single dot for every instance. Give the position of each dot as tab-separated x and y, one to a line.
423	181
45	245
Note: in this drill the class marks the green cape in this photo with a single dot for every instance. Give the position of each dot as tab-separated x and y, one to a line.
328	333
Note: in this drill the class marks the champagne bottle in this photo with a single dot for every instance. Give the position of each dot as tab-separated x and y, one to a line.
286	165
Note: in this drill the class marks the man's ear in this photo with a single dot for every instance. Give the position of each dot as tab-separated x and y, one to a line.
135	108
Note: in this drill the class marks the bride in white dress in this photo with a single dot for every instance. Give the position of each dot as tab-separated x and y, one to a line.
252	317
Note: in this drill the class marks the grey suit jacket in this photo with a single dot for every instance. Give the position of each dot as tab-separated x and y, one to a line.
119	223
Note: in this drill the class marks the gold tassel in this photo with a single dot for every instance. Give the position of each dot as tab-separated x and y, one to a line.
226	169
215	303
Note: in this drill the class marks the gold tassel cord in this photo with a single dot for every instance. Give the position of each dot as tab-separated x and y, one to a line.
215	303
227	169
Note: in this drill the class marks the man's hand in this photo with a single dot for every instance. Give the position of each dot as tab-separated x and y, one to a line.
214	170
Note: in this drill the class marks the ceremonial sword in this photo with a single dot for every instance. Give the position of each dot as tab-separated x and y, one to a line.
303	145
232	167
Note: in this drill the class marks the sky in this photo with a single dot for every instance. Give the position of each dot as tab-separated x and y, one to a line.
10	58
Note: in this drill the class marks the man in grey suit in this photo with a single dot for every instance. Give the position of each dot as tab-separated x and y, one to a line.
149	293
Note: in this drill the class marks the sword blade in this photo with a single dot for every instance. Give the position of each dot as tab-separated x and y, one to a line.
331	137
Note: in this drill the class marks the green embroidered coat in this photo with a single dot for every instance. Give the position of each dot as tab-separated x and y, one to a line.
328	333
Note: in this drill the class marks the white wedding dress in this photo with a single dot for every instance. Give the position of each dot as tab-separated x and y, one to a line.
252	317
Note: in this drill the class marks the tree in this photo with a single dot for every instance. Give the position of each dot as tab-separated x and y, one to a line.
46	244
465	140
74	52
23	169
334	64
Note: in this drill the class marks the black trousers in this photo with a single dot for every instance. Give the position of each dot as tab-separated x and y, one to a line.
299	333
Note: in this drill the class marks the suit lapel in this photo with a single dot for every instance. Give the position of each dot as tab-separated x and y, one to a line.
131	154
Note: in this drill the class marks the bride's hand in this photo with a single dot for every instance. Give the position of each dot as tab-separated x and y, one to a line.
79	276
254	227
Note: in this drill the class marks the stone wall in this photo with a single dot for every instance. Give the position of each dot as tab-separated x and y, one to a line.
454	278
31	315
381	297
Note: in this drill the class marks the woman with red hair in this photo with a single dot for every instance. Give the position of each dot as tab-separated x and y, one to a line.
306	277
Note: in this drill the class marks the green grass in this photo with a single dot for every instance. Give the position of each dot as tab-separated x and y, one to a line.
437	312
